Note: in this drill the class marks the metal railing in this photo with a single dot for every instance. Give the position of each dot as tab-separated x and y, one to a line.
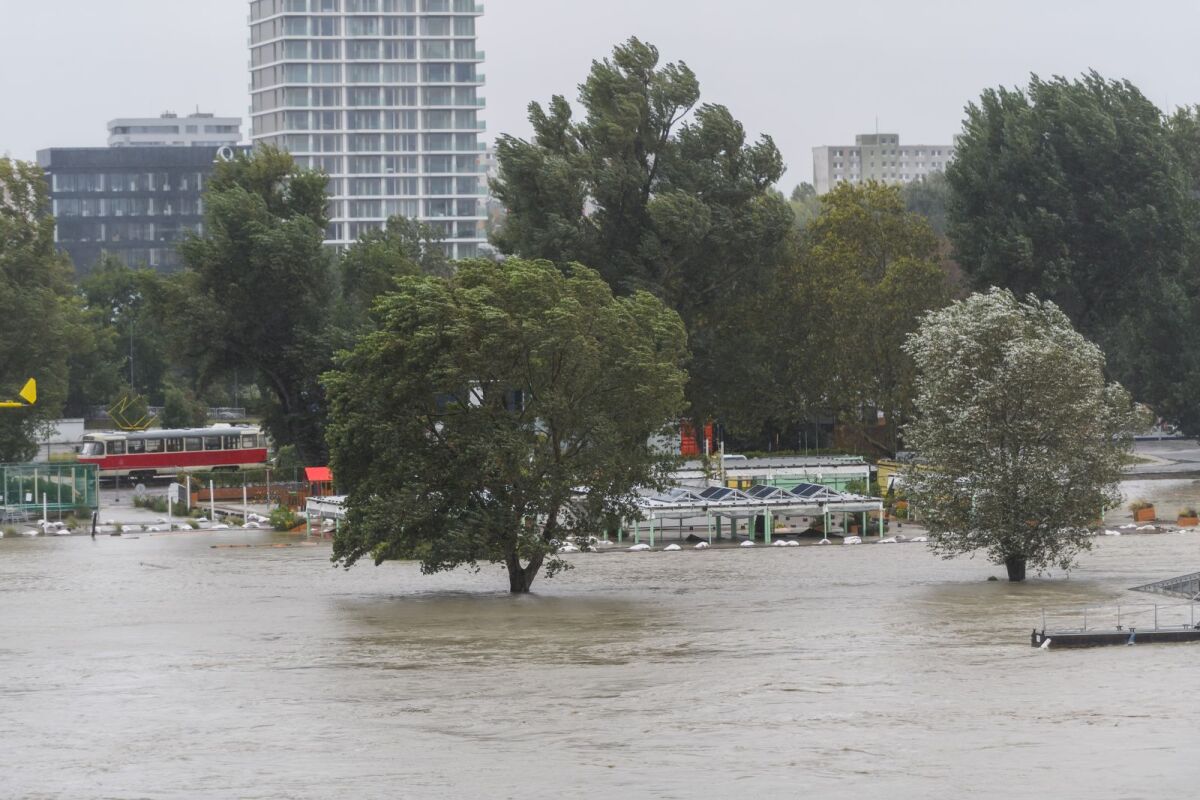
1121	617
1185	586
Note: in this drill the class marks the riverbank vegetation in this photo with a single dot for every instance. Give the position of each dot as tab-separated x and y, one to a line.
794	310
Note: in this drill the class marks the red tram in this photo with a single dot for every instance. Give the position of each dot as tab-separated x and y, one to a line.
144	454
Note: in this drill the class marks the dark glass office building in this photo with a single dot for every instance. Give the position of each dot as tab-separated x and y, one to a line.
133	202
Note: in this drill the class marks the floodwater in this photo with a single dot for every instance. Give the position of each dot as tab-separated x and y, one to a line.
162	667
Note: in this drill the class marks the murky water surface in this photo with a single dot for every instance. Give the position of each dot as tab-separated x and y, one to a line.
162	667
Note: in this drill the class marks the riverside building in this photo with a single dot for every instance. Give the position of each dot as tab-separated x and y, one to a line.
383	95
134	203
877	157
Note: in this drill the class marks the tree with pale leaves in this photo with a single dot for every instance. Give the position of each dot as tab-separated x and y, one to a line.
1021	440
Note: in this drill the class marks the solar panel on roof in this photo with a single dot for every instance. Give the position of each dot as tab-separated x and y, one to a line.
807	489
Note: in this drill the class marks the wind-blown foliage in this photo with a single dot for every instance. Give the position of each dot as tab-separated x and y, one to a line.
1022	441
464	425
1075	191
840	309
656	192
40	323
261	288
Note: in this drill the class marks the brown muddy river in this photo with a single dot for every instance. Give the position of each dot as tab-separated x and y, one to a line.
160	667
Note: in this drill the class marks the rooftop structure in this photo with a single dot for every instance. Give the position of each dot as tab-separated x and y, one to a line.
171	130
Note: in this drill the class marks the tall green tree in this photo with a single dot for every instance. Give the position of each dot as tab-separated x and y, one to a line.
863	275
1074	190
260	290
1021	438
124	306
182	409
929	196
654	190
805	203
40	322
464	426
370	266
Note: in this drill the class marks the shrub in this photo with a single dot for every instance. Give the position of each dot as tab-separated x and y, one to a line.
158	504
283	519
193	524
1190	511
1138	505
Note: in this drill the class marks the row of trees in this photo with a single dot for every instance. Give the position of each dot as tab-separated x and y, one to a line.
484	394
261	306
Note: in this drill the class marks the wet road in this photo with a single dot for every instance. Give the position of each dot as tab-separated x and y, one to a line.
162	667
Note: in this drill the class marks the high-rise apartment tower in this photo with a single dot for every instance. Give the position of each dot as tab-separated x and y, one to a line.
383	96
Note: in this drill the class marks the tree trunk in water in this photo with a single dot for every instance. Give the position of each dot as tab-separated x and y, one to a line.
520	579
1016	568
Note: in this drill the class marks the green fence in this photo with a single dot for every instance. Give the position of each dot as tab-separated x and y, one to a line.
61	489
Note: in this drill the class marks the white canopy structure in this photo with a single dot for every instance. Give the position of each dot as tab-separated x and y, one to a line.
717	503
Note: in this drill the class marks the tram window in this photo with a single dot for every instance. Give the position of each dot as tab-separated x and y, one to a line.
212	442
249	440
92	449
193	443
116	447
174	445
154	445
137	446
230	442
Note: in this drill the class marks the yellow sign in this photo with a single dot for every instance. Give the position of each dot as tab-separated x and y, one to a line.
28	394
130	415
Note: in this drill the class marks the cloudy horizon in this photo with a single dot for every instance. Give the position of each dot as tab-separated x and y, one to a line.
807	74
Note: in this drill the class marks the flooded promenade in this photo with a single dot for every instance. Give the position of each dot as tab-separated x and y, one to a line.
160	666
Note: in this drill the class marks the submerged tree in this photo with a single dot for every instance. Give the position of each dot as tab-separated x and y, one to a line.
1022	441
464	427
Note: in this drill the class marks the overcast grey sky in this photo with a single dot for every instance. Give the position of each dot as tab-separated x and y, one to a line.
808	73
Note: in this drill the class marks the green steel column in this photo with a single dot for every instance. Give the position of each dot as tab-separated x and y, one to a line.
637	531
708	525
863	527
652	531
881	521
720	523
621	532
767	525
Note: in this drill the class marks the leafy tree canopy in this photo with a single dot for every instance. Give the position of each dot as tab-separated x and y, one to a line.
805	203
370	266
40	323
864	273
1022	441
1075	190
655	190
125	309
463	427
260	284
